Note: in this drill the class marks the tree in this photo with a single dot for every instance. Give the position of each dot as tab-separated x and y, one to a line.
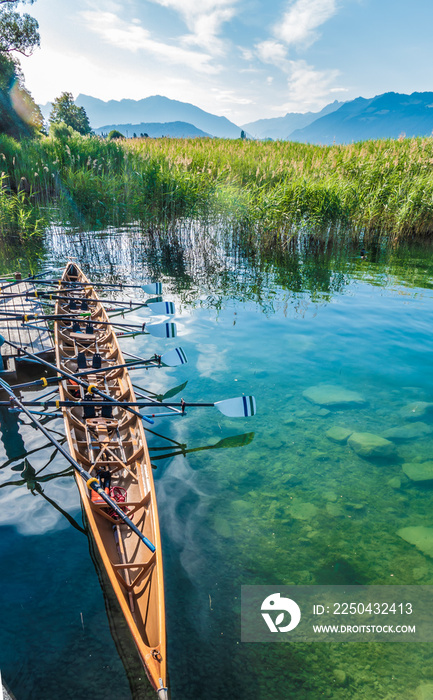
19	114
114	134
17	32
65	110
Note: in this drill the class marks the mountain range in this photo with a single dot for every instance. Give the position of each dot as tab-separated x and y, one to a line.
384	116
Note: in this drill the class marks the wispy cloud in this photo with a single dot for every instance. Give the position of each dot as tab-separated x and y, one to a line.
204	20
274	52
302	19
309	88
132	36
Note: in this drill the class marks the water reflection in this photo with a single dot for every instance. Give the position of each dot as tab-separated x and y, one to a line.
295	505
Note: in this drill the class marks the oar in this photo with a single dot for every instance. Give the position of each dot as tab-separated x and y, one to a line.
91	481
225	443
32	278
153	288
68	375
172	358
159	330
158	307
241	407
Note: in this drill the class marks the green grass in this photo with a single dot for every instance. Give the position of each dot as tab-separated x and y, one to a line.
383	186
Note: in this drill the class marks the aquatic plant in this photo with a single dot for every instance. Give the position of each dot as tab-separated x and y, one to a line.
265	188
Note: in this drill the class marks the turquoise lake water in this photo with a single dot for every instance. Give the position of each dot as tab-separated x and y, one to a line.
277	503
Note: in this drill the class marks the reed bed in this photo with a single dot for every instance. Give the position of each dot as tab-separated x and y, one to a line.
383	186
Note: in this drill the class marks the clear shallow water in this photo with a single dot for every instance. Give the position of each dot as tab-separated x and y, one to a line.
285	505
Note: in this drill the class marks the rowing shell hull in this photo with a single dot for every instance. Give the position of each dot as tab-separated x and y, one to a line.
118	444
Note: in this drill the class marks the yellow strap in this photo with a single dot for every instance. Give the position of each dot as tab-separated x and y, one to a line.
91	481
36	292
26	318
51	296
57	404
44	381
90	388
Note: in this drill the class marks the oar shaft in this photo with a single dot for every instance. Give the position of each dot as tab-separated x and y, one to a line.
121	404
53	380
85	475
77	380
78	285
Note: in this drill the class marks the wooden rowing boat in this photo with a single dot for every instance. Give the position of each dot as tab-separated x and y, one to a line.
110	443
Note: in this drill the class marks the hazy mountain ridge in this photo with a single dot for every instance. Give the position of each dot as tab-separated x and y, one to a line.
384	116
156	109
282	127
155	130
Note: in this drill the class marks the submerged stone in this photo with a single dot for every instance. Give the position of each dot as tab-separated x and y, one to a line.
303	511
332	395
416	409
371	445
419	472
338	434
420	536
395	482
424	691
222	527
410	431
340	677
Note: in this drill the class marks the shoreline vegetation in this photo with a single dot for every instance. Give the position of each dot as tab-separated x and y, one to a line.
382	187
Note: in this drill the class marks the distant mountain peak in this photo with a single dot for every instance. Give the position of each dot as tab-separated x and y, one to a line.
155	109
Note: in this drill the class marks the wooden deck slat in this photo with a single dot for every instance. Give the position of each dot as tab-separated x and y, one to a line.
36	340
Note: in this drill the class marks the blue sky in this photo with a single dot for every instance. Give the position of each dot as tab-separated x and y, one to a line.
244	59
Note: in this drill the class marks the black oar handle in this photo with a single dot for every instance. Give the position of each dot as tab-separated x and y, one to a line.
91	481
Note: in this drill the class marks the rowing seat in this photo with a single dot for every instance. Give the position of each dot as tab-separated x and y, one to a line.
102	427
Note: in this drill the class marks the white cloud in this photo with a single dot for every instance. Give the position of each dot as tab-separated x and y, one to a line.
133	37
272	51
204	20
309	88
299	23
230	96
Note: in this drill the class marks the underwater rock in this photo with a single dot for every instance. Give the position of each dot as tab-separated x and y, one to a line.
222	527
332	395
335	510
424	691
240	507
419	472
303	511
420	536
416	409
395	483
340	677
338	434
371	445
409	431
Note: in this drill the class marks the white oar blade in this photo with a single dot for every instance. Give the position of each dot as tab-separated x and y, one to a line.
162	330
155	288
174	358
240	407
162	307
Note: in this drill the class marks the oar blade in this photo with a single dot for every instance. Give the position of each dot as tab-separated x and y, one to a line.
166	308
234	441
174	358
155	288
241	407
171	392
162	330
